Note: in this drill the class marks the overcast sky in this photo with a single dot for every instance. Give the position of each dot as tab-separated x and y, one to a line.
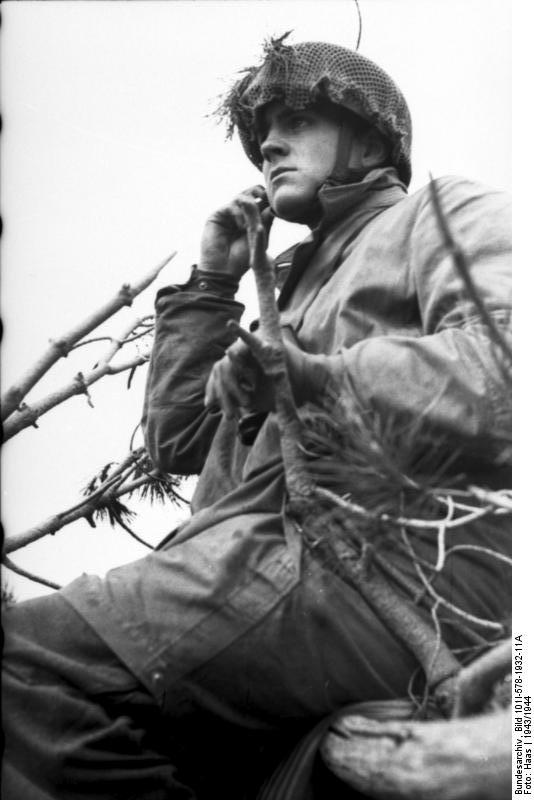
110	162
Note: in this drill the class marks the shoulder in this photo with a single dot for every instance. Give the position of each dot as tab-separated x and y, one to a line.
455	192
475	212
457	196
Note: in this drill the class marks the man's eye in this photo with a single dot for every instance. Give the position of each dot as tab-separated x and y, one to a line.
298	121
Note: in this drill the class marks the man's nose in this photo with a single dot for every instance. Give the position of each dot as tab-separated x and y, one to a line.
272	146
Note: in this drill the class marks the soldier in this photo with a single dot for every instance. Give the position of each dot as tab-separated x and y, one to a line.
232	636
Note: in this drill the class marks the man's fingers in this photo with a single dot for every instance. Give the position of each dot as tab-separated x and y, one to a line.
224	389
248	207
258	192
267	217
210	398
256	209
242	369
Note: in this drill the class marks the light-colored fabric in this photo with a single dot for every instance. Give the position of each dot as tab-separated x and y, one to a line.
397	322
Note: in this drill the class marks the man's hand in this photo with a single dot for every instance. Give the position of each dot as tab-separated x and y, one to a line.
224	245
238	385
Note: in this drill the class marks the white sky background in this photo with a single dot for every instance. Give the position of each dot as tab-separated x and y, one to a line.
109	164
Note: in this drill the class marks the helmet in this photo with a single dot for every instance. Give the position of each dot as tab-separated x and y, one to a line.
310	72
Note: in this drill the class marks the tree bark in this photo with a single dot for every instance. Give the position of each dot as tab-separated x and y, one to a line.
461	759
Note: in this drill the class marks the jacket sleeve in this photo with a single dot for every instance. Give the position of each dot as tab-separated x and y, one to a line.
452	376
191	334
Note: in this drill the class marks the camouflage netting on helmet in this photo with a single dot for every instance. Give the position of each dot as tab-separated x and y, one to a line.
310	72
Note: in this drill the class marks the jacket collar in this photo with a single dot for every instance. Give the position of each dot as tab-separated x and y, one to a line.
346	209
379	189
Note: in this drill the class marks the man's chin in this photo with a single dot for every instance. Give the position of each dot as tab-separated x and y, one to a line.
295	209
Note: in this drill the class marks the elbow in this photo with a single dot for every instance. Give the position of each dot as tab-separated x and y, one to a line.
165	459
180	451
172	455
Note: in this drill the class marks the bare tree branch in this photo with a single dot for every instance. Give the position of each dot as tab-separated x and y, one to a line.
119	342
462	759
420	524
399	615
126	337
61	347
84	508
121	481
28	415
269	350
370	575
476	680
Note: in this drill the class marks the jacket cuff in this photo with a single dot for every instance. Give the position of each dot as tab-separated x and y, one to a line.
203	281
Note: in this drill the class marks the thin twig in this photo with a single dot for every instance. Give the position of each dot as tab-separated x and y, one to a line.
61	347
128	488
500	499
120	341
153	474
132	437
419	706
420	524
442	532
435	655
126	338
117	473
461	265
91	341
437	495
28	415
483	623
31	576
478	549
111	488
136	336
133	534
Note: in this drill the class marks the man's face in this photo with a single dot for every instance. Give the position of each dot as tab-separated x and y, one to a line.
299	152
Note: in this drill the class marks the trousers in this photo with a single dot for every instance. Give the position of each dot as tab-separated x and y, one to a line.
79	724
245	672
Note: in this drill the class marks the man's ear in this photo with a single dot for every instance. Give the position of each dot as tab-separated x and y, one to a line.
375	149
369	150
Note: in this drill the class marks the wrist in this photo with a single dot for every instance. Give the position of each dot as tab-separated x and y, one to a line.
217	267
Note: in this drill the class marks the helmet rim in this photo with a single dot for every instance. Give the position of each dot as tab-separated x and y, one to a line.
310	72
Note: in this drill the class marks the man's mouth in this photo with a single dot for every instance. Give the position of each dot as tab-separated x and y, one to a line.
276	173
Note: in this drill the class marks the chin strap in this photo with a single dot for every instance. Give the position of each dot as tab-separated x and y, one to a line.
342	173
